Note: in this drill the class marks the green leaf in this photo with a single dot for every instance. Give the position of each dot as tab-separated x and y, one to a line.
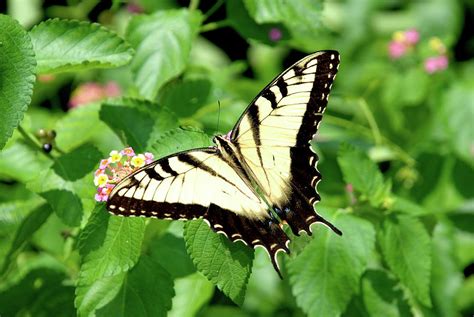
327	273
163	43
147	291
225	264
138	123
455	116
17	75
382	296
109	246
180	139
170	252
243	23
70	45
192	292
446	278
39	290
20	162
77	163
81	125
29	225
406	248
363	174
186	97
301	17
66	205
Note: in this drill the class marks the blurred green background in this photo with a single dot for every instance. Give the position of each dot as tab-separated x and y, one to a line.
404	96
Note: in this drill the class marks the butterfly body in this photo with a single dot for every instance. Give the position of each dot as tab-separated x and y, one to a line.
259	176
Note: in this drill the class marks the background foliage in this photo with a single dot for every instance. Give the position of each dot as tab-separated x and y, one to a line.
396	148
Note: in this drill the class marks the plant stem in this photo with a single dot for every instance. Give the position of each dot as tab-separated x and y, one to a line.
213	9
193	5
346	124
214	25
371	120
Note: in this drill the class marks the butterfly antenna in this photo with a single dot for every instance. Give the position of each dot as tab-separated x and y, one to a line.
218	115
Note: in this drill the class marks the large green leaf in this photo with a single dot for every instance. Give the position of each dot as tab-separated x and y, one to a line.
170	252
147	291
69	45
109	246
17	75
302	18
192	292
138	123
180	139
66	204
327	273
458	111
29	225
81	125
163	43
406	248
382	296
77	163
363	174
446	278
226	264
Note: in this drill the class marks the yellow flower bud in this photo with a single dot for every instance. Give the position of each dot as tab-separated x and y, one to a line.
138	161
115	156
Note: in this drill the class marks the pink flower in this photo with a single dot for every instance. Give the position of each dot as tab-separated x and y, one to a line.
92	91
275	34
128	152
45	78
435	64
134	8
112	89
103	164
148	157
397	49
412	36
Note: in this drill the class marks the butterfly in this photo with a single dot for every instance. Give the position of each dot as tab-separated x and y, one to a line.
258	176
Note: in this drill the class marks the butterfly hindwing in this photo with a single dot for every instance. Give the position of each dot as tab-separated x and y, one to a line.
273	137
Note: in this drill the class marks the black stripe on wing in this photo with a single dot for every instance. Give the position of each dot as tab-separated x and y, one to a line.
253	232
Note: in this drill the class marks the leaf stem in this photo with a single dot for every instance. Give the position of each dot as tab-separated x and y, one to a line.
211	26
347	124
371	120
213	9
193	5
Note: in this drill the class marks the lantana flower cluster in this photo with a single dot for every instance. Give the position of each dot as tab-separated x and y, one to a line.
117	166
404	42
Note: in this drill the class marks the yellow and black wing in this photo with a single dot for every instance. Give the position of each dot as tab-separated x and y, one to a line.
274	133
200	183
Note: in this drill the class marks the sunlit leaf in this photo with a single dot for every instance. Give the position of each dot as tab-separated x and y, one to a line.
17	75
69	45
225	264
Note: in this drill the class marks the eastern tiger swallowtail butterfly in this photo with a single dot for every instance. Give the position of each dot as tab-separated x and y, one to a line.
260	175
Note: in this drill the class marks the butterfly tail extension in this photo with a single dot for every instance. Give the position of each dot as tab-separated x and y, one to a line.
252	232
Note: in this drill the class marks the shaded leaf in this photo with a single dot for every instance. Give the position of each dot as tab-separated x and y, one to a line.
186	97
446	278
29	225
363	174
382	296
170	252
138	123
406	248
147	291
17	75
192	292
70	45
163	43
180	139
66	205
327	273
225	264
108	246
77	163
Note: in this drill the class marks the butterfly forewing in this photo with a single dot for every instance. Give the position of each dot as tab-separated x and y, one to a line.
273	137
